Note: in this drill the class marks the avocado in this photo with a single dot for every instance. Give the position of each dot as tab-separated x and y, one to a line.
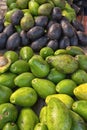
79	76
24	39
40	126
13	41
57	107
8	113
27	22
59	3
10	126
68	29
22	4
16	17
80	108
9	30
19	67
24	96
43	87
45	9
33	7
75	50
29	119
82	60
24	79
7	79
12	55
64	63
35	33
5	94
38	66
4	64
78	122
43	114
3	40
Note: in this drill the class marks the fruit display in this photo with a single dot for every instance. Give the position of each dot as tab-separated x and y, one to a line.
43	71
44	91
38	24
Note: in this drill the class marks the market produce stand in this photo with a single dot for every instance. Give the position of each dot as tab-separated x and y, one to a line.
43	90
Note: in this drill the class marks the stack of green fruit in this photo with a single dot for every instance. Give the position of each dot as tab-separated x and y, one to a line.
44	91
39	23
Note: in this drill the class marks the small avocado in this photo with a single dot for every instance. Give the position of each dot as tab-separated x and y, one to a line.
4	64
40	126
35	33
59	3
3	40
75	50
13	41
22	4
19	67
10	126
38	66
29	119
9	30
27	22
16	17
8	112
7	79
67	28
45	9
5	94
24	39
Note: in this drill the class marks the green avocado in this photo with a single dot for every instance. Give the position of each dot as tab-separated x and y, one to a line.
19	67
77	121
58	116
5	93
64	63
40	126
27	22
10	126
38	66
82	60
43	114
8	113
7	79
24	79
24	96
43	87
27	119
80	107
45	9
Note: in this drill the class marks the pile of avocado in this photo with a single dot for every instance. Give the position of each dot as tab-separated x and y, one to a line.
40	23
44	91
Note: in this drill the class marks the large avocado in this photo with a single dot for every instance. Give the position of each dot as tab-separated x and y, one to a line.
64	63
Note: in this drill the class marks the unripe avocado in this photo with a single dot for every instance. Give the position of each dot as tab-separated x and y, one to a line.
64	63
80	107
43	87
8	113
10	126
58	116
77	121
5	93
19	67
40	126
27	119
38	66
7	79
24	96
